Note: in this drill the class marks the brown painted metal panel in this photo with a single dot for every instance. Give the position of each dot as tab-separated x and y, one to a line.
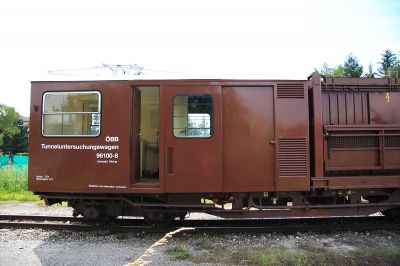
292	139
292	157
192	164
66	164
248	123
342	109
358	114
359	182
364	147
365	110
385	107
353	160
325	110
350	109
345	108
319	116
368	138
392	158
333	109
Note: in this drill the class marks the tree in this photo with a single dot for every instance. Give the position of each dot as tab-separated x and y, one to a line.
388	64
13	132
396	69
8	119
331	72
16	143
352	68
371	73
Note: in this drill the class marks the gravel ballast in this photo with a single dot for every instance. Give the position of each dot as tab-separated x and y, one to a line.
43	247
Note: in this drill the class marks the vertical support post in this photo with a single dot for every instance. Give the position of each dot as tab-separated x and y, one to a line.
318	126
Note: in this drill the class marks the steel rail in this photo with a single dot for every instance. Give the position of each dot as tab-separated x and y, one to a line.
13	217
193	222
224	226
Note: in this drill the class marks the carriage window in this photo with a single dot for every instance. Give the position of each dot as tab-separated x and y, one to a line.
71	114
193	116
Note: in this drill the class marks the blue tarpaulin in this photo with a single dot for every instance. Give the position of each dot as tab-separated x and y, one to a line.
19	161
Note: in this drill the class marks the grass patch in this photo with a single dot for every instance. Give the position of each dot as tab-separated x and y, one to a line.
22	196
306	255
205	243
14	185
391	254
379	257
276	256
178	253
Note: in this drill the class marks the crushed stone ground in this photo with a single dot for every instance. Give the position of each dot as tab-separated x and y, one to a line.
43	247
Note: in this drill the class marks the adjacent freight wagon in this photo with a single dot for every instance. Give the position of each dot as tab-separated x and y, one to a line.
232	148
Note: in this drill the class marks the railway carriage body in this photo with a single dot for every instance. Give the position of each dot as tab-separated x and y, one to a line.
162	148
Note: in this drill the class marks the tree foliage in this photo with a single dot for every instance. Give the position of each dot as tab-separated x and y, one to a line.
389	65
352	68
8	119
370	73
18	142
331	71
13	132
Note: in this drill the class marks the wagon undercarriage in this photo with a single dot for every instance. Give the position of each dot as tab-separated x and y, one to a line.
233	205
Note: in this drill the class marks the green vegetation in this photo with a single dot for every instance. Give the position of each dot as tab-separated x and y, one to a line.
389	255
13	140
14	185
178	253
205	243
351	68
389	66
276	256
8	117
13	133
301	255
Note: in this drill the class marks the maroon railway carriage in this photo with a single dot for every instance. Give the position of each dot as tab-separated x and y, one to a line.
231	148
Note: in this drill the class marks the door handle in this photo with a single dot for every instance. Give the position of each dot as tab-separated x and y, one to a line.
272	141
170	160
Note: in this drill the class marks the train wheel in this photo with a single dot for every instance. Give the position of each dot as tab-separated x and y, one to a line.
91	213
158	219
93	216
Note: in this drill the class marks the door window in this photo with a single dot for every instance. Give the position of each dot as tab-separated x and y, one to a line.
193	116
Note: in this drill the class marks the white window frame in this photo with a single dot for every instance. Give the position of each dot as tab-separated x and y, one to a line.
61	113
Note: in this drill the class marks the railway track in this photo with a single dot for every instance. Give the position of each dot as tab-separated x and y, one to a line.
205	226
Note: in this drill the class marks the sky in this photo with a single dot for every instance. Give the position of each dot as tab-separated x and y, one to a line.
188	39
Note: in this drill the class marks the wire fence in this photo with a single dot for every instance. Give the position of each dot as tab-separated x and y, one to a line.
20	162
13	178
